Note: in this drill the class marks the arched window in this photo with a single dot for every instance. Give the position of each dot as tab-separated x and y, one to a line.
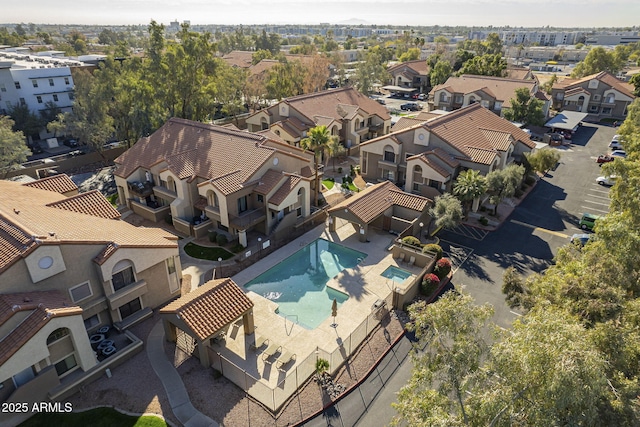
334	130
171	184
611	98
417	169
122	274
57	334
212	198
389	154
443	96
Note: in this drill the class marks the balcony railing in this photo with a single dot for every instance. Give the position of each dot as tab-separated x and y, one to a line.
140	189
165	192
247	219
129	292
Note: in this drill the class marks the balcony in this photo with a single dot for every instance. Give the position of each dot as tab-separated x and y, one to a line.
140	189
213	212
247	219
363	130
165	193
151	211
387	165
126	294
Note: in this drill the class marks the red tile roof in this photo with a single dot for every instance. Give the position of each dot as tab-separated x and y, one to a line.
609	79
425	158
371	202
418	66
211	307
268	181
43	305
89	203
502	89
58	183
285	189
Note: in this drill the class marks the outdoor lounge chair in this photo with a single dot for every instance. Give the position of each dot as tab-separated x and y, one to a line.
270	351
401	258
259	341
412	260
285	357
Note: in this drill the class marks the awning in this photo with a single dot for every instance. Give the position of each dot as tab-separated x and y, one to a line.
566	120
400	89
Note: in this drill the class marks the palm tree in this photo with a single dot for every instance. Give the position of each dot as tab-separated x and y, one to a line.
335	149
316	141
469	186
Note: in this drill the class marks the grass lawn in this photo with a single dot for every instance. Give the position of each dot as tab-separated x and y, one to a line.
353	187
203	252
328	183
99	417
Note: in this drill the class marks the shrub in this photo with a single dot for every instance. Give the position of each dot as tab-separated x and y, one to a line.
237	248
483	220
212	236
429	283
339	169
530	180
411	241
442	268
518	192
432	247
221	239
322	365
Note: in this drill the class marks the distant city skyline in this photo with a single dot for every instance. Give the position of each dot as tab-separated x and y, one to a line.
515	13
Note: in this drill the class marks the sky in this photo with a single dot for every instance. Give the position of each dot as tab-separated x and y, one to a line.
515	13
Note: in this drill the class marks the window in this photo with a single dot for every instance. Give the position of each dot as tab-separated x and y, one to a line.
416	186
71	97
389	156
66	364
23	101
596	97
299	212
606	110
242	204
39	98
17	85
55	97
91	322
458	99
593	108
34	83
260	198
123	278
443	97
3	88
171	265
80	292
407	155
56	335
129	308
434	184
66	80
50	82
388	175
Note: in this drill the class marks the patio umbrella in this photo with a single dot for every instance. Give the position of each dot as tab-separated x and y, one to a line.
334	312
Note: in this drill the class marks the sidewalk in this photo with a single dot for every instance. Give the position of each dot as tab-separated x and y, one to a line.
172	383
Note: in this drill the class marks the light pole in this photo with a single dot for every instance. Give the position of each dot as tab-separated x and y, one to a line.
220	274
421	225
259	247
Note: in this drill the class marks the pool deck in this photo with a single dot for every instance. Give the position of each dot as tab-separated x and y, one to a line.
364	285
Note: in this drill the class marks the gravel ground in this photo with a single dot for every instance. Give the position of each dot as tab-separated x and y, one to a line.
135	388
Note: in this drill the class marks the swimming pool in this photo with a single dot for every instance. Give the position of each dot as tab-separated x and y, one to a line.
299	283
396	274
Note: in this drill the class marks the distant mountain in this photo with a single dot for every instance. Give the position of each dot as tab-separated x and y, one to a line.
353	21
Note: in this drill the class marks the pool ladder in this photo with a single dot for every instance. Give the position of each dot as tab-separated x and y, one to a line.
288	331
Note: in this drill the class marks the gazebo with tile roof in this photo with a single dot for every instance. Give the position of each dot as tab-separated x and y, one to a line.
382	206
207	312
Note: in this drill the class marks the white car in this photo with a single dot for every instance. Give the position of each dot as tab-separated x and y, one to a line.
606	180
616	143
619	153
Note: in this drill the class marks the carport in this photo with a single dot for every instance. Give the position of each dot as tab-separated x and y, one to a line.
400	90
383	206
206	314
566	120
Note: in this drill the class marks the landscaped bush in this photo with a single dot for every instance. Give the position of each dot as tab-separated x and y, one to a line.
530	180
518	193
442	268
221	239
339	169
433	248
237	248
411	241
483	220
429	284
212	236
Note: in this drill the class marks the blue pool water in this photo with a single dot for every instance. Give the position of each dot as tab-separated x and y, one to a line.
298	284
396	274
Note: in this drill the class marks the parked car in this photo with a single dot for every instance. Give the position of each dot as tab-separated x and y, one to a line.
411	106
581	239
606	180
616	145
604	158
422	97
70	142
35	149
588	221
381	101
619	153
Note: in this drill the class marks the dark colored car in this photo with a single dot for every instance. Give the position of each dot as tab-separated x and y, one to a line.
70	142
411	106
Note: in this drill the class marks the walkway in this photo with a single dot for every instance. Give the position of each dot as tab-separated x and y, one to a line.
172	383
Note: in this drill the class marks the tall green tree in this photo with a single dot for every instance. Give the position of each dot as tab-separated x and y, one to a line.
502	183
335	149
445	213
451	331
543	160
525	108
485	65
317	140
13	150
25	120
440	72
598	59
469	186
285	79
371	69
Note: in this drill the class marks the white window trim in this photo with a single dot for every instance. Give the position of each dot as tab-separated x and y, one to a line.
97	315
88	283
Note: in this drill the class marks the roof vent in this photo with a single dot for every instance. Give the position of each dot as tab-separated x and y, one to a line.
26	299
